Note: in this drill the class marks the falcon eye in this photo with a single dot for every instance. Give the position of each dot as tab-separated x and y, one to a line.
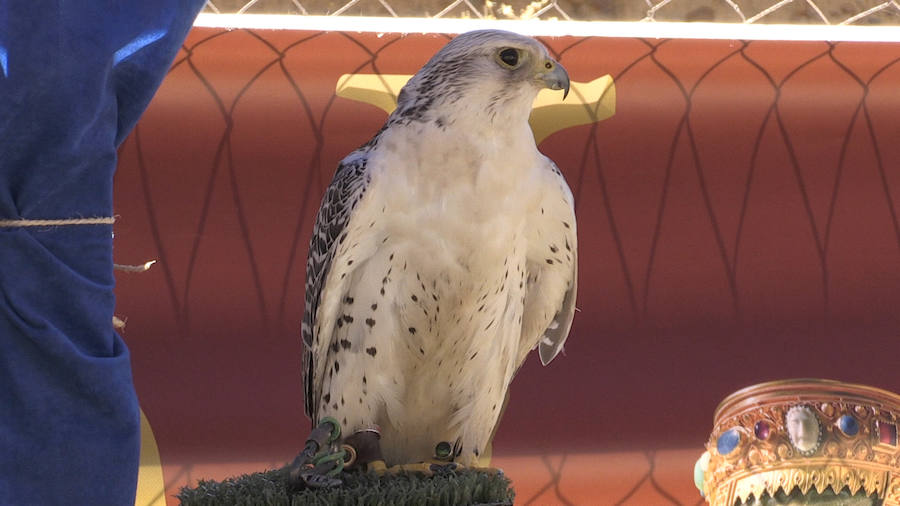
509	57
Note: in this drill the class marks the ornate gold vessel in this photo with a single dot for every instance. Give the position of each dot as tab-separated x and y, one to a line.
804	434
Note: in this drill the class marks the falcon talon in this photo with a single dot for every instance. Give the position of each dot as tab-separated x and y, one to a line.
443	469
313	480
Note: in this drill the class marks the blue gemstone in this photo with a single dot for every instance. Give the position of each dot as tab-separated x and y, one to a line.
728	441
848	425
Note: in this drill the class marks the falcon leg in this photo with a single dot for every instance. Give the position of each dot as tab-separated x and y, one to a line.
369	454
319	462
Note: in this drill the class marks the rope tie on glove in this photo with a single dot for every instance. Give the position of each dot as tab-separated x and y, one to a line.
57	223
118	323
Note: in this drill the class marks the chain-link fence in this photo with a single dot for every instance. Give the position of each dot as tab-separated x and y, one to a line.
824	12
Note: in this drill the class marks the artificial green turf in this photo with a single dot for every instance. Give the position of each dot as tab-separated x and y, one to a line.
269	488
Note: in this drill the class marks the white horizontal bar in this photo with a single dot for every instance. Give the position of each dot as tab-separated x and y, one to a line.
649	29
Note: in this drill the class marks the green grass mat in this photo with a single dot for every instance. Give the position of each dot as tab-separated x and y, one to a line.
269	488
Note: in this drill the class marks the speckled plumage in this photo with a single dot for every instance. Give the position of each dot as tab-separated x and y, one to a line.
443	252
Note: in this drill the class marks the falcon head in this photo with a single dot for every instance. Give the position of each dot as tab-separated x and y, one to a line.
486	68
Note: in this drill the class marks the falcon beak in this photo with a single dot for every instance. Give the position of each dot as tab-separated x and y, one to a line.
555	77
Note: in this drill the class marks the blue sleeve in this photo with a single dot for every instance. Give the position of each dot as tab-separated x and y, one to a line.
74	79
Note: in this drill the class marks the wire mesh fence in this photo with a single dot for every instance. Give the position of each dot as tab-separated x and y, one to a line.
824	12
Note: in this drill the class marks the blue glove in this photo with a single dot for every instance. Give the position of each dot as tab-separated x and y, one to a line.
74	79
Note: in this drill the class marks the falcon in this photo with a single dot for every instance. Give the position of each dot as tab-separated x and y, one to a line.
444	251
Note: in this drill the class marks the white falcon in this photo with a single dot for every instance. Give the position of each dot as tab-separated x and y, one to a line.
443	252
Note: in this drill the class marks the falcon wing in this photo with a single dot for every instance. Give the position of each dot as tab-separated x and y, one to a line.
552	277
343	195
554	337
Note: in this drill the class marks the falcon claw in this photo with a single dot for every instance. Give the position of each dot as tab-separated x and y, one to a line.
313	480
443	469
298	466
322	473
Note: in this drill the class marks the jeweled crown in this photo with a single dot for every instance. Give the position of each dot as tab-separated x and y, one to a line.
804	434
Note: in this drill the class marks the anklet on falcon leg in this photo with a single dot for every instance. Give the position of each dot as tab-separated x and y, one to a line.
363	448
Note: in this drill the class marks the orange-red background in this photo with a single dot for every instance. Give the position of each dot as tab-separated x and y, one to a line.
737	223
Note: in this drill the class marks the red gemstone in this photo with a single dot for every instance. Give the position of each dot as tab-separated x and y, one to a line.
762	430
887	433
